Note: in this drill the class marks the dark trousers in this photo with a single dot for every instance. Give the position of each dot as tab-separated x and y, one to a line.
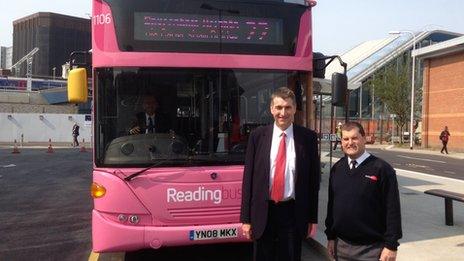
345	251
444	148
281	240
75	141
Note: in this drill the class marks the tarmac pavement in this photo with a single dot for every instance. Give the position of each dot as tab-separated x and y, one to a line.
452	154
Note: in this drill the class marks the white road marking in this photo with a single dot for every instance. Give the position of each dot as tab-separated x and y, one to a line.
430	160
449	172
9	166
428	175
418	166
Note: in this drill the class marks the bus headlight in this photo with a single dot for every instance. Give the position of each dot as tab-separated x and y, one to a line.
97	190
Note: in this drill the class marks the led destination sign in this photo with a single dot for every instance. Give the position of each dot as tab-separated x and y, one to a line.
207	29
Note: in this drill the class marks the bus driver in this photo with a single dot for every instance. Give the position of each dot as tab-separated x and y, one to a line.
150	120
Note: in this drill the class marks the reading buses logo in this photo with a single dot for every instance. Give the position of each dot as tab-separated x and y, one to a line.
202	194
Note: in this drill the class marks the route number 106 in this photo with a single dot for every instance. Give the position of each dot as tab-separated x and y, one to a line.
101	19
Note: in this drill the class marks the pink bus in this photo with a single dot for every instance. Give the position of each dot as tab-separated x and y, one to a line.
211	66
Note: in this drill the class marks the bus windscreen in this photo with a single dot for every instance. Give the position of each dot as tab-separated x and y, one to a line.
207	28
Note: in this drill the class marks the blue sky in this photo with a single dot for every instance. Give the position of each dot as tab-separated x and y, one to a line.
338	25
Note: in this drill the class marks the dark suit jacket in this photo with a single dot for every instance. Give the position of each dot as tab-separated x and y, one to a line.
255	189
161	124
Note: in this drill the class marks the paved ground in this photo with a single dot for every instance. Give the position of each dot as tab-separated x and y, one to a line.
45	205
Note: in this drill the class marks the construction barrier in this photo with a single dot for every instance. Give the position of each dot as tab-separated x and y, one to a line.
83	146
15	148
50	148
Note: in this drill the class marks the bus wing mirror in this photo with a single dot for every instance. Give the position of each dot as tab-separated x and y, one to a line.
319	65
339	88
77	86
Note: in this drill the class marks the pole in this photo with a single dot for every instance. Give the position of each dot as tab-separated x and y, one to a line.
411	132
411	126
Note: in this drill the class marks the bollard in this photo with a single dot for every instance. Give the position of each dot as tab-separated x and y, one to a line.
15	148
50	148
83	146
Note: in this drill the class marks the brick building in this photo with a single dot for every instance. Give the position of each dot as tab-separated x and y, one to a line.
443	92
55	35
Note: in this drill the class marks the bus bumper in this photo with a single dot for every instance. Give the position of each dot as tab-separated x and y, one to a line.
110	236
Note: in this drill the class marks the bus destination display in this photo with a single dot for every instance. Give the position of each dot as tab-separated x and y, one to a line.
207	28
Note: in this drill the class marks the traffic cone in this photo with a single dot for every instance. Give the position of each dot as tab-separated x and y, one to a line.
50	148
15	148
83	146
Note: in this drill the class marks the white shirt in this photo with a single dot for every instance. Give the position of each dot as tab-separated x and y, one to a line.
147	117
290	160
359	160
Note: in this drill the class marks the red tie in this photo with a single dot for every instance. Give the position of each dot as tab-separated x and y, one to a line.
278	186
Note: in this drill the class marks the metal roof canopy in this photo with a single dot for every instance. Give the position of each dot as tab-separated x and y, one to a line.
440	49
369	56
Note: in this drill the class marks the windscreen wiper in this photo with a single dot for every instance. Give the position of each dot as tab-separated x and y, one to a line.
130	177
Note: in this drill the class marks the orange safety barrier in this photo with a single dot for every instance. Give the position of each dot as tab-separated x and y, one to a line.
83	146
15	148
50	148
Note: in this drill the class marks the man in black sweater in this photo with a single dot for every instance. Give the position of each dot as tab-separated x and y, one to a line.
363	213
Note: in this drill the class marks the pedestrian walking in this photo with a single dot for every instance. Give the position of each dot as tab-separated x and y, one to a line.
75	134
338	135
444	137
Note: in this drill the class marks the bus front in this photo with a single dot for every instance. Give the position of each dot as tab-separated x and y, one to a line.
207	69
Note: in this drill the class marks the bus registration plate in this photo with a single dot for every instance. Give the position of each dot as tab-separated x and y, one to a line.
213	234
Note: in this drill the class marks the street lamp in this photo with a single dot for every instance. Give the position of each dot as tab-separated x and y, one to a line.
411	131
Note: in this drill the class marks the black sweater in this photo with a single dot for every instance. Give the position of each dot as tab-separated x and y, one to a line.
364	204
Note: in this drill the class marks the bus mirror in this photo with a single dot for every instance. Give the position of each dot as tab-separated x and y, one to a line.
319	65
77	86
339	87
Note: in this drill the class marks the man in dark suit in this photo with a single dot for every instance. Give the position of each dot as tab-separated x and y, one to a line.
280	183
150	120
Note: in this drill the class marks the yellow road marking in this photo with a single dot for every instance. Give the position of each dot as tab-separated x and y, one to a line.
117	256
93	256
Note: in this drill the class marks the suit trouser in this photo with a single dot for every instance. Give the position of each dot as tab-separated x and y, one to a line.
281	240
345	251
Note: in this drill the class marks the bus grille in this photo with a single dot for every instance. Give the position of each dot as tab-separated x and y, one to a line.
204	212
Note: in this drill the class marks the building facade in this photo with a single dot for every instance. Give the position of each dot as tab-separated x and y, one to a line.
371	58
55	35
443	93
6	57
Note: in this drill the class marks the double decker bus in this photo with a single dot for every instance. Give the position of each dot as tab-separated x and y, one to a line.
212	66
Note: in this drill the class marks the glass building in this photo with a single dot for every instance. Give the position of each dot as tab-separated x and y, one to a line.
365	61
